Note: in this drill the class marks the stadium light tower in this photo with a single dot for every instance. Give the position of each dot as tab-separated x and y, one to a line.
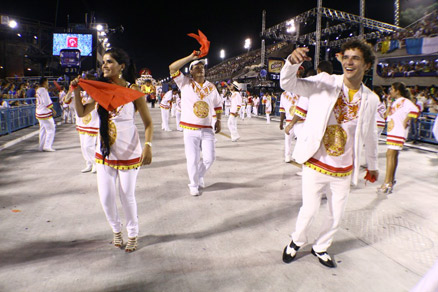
247	44
290	26
222	54
12	23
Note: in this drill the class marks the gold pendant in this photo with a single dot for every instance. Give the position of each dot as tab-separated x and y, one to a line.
200	109
112	132
87	119
334	140
390	125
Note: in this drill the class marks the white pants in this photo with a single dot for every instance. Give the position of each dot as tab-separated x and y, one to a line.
313	186
165	119
71	116
88	147
178	119
227	110
47	133
173	110
195	142
255	110
429	282
288	139
107	187
248	111
232	126
268	118
242	112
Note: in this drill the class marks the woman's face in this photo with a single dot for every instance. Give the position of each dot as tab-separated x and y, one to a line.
393	93
110	67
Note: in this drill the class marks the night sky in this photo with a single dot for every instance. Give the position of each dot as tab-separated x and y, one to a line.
156	34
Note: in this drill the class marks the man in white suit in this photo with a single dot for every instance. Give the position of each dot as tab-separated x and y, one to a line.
340	120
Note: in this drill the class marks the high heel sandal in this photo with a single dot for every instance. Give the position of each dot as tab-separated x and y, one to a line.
386	188
118	239
131	245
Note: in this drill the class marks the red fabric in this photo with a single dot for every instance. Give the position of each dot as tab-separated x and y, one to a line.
203	41
57	85
108	95
370	177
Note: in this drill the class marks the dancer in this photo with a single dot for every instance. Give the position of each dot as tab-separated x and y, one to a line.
236	102
165	105
340	120
119	154
178	110
381	110
288	102
398	115
200	101
45	114
267	101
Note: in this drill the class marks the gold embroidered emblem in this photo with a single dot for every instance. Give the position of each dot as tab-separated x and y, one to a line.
87	119
334	140
112	132
200	109
390	125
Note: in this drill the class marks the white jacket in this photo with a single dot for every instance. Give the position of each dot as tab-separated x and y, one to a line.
323	90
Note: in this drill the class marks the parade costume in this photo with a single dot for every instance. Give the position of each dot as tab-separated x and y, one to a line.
88	129
236	101
249	107
380	118
329	146
267	101
178	112
44	115
288	102
396	133
199	105
165	109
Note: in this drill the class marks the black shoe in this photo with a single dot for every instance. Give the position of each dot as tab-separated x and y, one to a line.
290	252
324	258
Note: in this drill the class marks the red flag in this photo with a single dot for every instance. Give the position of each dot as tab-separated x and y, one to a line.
108	95
203	41
57	85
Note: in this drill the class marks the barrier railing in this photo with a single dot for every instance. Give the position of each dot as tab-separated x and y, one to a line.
22	116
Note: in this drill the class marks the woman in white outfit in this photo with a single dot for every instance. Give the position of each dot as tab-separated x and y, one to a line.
119	153
44	113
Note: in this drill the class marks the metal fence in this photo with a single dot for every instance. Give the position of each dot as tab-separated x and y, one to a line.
15	118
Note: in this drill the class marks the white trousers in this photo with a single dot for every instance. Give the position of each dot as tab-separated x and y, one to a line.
165	119
232	126
268	118
47	133
242	112
178	119
248	111
227	110
313	187
173	110
88	148
255	110
288	139
107	187
429	282
195	143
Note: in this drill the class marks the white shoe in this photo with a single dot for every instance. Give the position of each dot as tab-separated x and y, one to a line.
49	150
88	168
287	160
194	192
201	182
299	173
94	169
168	130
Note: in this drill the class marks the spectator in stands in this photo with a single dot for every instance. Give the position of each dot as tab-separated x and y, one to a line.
31	91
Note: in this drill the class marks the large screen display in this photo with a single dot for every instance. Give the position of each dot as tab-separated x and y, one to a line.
82	42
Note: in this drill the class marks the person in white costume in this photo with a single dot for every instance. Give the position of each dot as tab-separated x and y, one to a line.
227	104
340	121
165	105
178	110
45	114
255	108
267	101
119	154
381	110
236	102
200	103
398	115
249	106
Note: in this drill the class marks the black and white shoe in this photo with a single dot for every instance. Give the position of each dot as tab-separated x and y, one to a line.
324	258
290	252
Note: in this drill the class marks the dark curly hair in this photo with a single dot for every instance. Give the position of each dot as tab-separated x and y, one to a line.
365	48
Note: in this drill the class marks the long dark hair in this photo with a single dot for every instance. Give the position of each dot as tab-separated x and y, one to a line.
129	74
401	87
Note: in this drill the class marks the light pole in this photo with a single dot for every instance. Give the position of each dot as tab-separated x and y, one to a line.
247	44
